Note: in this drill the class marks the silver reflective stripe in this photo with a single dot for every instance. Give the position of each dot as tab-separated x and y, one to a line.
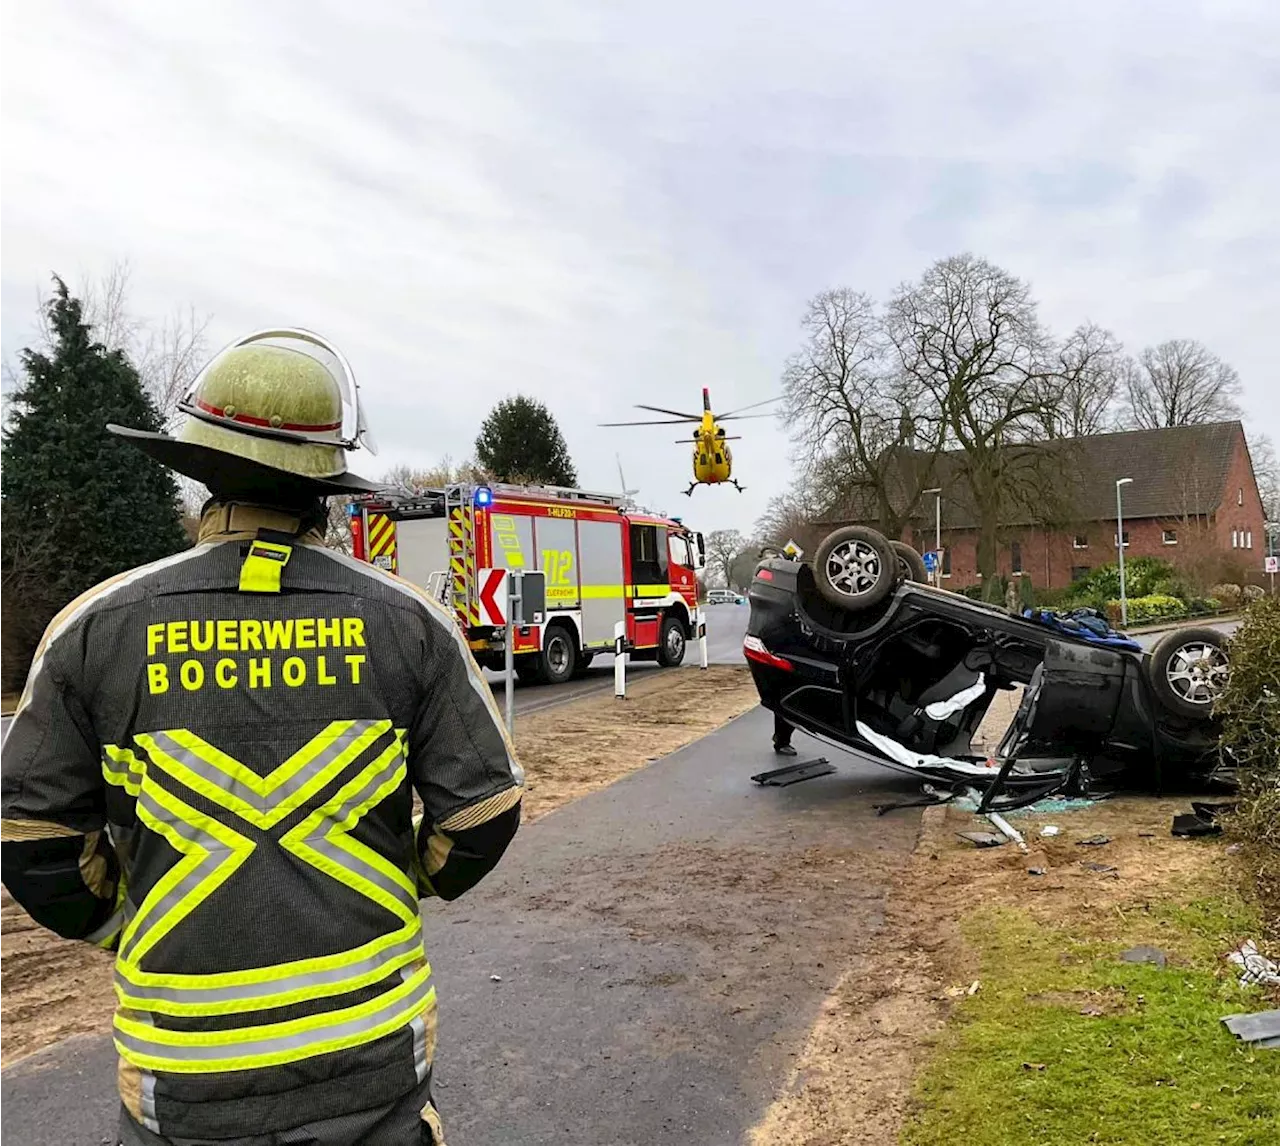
251	1047
108	929
264	803
147	1105
419	1029
253	992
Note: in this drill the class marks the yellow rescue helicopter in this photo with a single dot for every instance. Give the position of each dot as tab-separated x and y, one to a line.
712	458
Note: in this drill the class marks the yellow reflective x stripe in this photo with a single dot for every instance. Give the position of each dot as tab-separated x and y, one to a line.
192	879
261	800
258	799
339	855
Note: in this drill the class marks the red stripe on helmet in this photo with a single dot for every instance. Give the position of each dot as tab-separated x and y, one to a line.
250	420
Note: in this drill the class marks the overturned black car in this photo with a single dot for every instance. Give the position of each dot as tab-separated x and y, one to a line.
855	649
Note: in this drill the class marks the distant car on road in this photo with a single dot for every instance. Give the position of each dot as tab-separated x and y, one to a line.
854	648
725	597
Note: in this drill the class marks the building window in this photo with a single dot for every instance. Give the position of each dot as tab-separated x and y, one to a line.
946	561
1248	539
1240	496
1080	541
1015	557
1126	539
1170	537
1080	572
1235	540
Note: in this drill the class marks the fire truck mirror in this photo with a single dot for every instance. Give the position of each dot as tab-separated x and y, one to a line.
700	547
532	587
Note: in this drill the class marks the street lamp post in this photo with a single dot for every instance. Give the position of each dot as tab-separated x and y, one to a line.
937	530
1124	604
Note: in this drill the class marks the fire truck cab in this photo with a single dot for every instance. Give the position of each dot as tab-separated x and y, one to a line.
605	561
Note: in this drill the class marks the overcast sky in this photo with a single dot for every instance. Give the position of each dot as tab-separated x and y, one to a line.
606	203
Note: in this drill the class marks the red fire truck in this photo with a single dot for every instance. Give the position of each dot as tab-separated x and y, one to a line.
604	560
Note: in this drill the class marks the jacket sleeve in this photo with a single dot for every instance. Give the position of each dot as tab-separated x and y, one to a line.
55	857
463	767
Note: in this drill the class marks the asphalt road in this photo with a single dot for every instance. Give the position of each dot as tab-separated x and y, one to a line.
641	968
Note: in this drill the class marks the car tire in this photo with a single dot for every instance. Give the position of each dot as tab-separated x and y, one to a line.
910	563
672	642
1187	670
855	568
559	657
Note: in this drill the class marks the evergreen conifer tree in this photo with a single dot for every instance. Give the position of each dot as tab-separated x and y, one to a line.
78	504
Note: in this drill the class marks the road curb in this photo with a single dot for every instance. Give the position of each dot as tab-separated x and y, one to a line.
1184	623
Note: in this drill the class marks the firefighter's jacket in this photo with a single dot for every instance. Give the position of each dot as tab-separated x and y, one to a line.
211	771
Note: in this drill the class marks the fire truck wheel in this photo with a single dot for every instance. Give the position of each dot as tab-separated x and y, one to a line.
671	642
559	656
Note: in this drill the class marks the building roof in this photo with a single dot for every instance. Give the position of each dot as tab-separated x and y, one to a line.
1177	472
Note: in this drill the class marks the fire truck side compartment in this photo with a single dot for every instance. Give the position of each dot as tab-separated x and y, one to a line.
600	550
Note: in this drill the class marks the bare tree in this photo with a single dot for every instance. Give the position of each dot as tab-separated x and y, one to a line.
723	545
168	353
1087	374
968	333
1180	383
858	421
791	516
407	479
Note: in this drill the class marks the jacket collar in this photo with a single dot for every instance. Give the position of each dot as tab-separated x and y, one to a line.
235	521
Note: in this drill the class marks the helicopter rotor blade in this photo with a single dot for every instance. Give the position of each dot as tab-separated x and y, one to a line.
675	413
742	417
661	422
753	406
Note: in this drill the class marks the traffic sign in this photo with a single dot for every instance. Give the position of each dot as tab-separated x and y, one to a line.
531	598
930	561
493	596
1272	565
793	551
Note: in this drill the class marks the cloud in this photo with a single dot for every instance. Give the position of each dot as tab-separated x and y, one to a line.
610	204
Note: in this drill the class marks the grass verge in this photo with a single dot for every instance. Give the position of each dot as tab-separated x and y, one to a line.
1066	1043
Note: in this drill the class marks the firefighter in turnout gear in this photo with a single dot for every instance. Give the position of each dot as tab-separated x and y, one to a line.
211	773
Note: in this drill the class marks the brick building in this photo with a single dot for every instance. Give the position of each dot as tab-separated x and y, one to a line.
1193	501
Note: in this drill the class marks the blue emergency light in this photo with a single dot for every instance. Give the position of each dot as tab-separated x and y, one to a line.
484	497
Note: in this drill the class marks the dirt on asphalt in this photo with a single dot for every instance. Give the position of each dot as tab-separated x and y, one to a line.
580	747
53	988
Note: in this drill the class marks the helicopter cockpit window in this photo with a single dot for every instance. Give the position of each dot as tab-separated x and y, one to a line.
648	555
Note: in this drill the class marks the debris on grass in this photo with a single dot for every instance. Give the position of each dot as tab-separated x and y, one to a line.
983	839
1262	1028
1093	842
1145	954
1256	968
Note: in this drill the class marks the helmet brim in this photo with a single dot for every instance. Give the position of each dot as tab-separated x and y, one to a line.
228	474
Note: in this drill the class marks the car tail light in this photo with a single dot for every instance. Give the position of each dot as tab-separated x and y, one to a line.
764	574
753	649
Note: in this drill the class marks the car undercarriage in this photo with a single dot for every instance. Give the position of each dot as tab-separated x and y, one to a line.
856	651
